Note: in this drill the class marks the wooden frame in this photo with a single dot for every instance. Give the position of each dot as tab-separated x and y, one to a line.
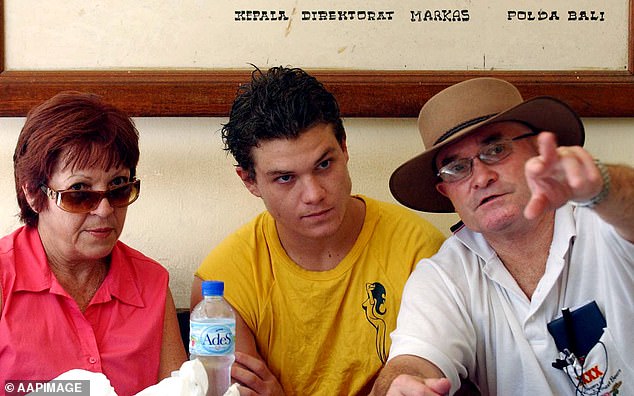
360	93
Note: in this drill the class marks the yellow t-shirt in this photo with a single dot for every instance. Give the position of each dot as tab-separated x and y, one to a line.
323	333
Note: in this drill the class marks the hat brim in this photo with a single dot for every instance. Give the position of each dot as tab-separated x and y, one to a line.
414	183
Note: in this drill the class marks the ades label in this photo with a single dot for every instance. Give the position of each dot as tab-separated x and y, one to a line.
215	339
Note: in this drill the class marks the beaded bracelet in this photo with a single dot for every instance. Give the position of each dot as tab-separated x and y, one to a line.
605	175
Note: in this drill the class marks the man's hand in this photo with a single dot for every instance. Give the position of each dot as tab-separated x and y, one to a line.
254	376
558	175
410	375
409	385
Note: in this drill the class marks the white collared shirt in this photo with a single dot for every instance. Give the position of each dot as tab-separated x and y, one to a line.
463	311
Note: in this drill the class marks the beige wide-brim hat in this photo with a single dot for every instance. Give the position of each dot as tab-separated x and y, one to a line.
458	111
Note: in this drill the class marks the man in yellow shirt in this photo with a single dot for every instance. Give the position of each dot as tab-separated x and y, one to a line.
316	279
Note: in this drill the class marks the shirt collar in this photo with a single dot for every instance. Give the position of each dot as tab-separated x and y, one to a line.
33	273
474	241
31	266
120	282
564	233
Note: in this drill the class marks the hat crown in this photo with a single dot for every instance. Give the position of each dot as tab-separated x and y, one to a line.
463	105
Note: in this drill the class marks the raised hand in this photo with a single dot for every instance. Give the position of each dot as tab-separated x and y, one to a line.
558	175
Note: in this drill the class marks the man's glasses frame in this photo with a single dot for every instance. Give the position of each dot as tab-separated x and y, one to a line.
489	154
85	201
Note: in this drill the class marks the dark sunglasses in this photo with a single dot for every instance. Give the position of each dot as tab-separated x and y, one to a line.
84	201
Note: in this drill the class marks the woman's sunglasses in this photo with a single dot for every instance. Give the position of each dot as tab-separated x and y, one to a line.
84	201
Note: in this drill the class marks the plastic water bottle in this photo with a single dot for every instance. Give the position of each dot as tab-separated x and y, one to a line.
212	330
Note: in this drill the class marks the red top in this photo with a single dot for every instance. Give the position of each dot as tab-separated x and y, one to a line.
43	333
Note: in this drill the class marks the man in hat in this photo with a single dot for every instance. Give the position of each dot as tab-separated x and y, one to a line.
316	279
533	293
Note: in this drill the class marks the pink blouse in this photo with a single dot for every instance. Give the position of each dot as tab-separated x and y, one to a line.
43	333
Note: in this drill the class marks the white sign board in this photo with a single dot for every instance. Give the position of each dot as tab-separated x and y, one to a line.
400	35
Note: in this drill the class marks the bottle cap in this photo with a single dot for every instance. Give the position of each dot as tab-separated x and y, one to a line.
213	288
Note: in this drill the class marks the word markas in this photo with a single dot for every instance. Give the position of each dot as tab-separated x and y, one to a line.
439	16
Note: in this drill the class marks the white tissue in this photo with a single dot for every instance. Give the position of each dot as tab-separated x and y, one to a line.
191	380
99	383
232	391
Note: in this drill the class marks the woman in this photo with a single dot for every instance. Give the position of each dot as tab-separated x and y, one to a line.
73	295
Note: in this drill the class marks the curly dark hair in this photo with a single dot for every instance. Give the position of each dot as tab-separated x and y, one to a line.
280	103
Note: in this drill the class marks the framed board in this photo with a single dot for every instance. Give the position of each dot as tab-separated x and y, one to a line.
383	61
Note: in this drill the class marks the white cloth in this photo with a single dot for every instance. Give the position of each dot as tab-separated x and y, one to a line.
99	384
233	390
464	312
189	380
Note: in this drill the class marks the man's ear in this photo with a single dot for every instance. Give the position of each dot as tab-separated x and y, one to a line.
344	148
440	187
248	181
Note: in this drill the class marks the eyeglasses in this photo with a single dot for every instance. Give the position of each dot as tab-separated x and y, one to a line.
84	201
489	154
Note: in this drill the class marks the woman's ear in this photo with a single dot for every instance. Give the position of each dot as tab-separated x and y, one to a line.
30	199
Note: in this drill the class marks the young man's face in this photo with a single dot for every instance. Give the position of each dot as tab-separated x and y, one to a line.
304	182
493	197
